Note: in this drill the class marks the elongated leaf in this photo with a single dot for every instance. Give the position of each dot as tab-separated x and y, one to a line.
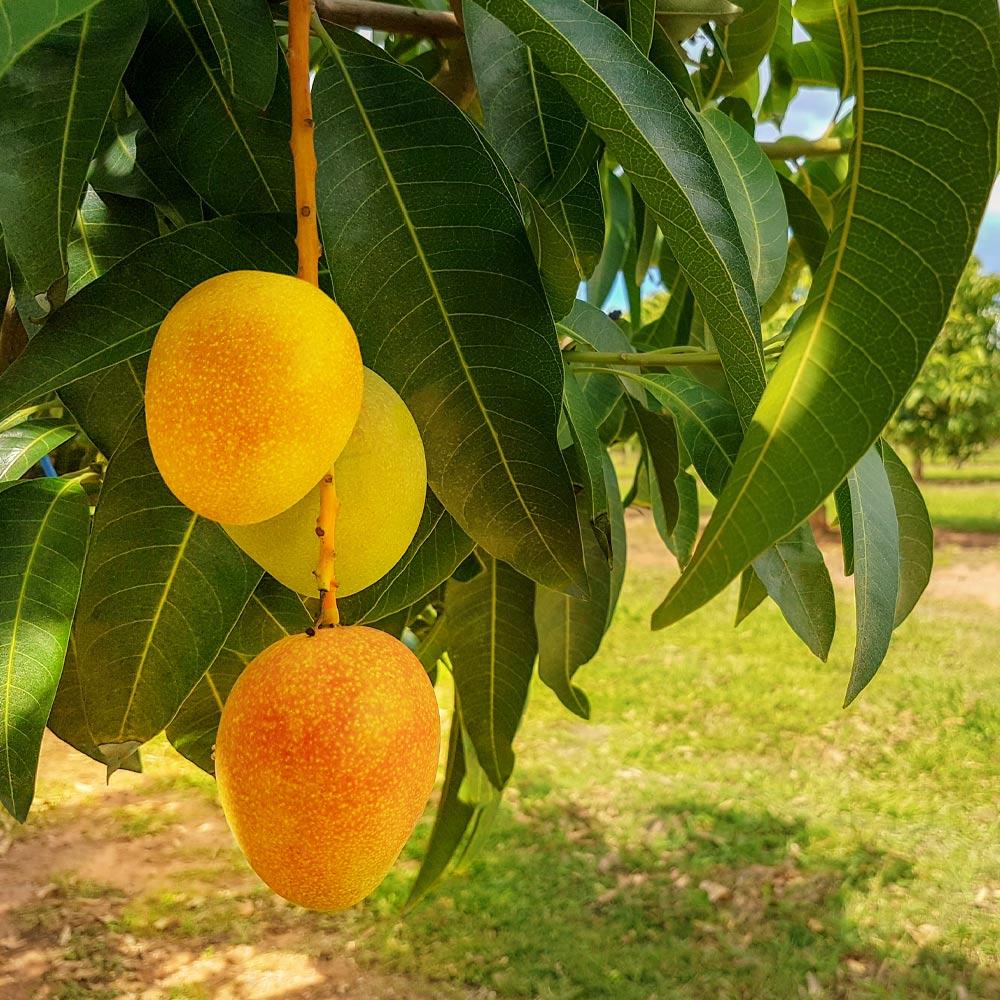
590	453
272	613
755	194
876	567
106	230
181	92
242	33
107	322
53	104
752	593
829	24
570	630
439	283
528	117
162	589
807	224
655	138
658	435
617	237
842	501
459	822
129	162
27	22
882	292
916	535
747	41
43	538
68	718
437	550
25	444
792	570
492	647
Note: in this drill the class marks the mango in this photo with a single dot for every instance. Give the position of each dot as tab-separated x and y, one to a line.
381	482
325	757
253	388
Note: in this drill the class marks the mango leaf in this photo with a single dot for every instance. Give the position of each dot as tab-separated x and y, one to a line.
459	822
590	453
747	41
829	25
810	67
440	285
658	143
752	593
876	567
180	90
842	500
883	290
658	436
437	550
25	444
682	18
806	223
162	589
916	535
792	570
242	33
492	648
570	630
53	103
43	538
130	163
755	195
682	540
107	322
105	230
528	117
27	22
617	237
68	718
272	613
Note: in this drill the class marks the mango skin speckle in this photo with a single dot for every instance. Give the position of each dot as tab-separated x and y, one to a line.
326	755
253	388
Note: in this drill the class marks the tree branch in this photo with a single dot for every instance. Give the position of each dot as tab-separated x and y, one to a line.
791	148
389	17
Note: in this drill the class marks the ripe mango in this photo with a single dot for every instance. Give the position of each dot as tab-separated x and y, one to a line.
253	388
326	754
381	482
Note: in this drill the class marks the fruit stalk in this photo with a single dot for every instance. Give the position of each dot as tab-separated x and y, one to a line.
307	241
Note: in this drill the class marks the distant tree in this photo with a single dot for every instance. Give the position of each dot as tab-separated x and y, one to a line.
953	409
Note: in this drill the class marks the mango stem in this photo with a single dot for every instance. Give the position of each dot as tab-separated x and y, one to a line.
307	241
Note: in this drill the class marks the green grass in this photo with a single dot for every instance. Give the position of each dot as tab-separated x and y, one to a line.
970	506
850	846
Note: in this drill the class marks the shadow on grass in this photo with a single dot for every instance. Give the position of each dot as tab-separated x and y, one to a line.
699	902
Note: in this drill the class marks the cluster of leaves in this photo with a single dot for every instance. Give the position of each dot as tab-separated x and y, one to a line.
953	409
144	148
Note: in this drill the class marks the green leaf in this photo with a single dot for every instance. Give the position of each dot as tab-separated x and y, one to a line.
658	436
53	104
558	262
437	550
657	141
108	322
459	823
842	500
755	195
528	117
106	229
68	718
747	41
617	237
806	223
130	163
829	25
492	647
162	589
589	450
876	567
232	153
570	630
887	277
23	445
752	593
27	22
916	535
682	18
682	540
440	285
43	538
242	33
272	613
